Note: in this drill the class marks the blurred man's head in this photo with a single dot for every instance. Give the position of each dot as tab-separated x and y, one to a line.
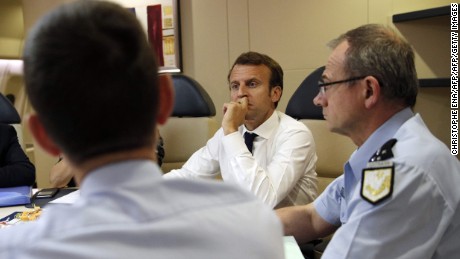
92	79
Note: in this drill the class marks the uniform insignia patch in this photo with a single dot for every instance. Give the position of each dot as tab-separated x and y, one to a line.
377	184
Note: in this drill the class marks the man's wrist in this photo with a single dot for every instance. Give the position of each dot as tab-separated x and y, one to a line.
229	131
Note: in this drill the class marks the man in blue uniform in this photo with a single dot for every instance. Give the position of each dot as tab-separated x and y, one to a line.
399	195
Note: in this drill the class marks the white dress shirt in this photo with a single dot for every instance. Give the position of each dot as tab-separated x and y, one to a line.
421	217
127	210
281	170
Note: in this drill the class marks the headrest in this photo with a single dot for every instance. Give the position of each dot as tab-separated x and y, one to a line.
8	114
301	106
191	100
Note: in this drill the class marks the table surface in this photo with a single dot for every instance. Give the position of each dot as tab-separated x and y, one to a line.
5	211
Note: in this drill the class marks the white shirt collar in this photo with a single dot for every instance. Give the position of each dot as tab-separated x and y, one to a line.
266	129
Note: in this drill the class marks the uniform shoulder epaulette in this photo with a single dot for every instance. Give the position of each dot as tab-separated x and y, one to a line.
384	152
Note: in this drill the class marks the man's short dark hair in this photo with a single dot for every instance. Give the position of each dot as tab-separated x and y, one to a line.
92	79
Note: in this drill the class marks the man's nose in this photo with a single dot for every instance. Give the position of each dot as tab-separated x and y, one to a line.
318	100
242	91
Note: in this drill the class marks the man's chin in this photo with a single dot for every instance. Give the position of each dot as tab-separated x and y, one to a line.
248	117
249	121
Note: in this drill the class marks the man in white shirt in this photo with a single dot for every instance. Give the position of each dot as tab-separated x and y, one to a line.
96	53
280	167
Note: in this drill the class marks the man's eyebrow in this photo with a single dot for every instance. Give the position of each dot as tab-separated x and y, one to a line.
233	81
253	79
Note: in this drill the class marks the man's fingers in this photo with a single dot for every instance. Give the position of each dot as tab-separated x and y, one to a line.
243	101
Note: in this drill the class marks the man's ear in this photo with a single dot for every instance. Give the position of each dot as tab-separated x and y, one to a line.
166	98
276	93
373	92
41	136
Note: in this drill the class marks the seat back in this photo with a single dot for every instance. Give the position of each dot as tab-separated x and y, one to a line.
191	124
332	149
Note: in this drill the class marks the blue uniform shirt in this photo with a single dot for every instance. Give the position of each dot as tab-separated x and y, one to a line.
421	217
127	210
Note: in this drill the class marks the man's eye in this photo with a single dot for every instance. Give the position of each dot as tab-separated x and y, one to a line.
233	86
253	84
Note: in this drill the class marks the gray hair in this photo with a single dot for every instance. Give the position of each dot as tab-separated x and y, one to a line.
376	50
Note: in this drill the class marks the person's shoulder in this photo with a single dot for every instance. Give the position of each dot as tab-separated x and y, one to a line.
415	139
290	127
5	127
221	192
216	196
212	197
288	121
7	131
417	147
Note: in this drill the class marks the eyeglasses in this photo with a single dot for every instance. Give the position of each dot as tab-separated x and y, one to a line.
322	85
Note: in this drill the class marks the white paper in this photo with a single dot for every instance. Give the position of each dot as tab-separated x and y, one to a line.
68	199
291	248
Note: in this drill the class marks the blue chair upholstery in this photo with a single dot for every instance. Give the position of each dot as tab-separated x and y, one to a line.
191	100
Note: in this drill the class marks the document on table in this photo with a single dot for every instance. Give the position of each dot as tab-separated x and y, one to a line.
292	249
68	199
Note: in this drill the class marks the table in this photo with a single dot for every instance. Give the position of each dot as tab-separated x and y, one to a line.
5	211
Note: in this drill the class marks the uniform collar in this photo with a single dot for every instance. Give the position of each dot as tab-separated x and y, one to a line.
386	131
